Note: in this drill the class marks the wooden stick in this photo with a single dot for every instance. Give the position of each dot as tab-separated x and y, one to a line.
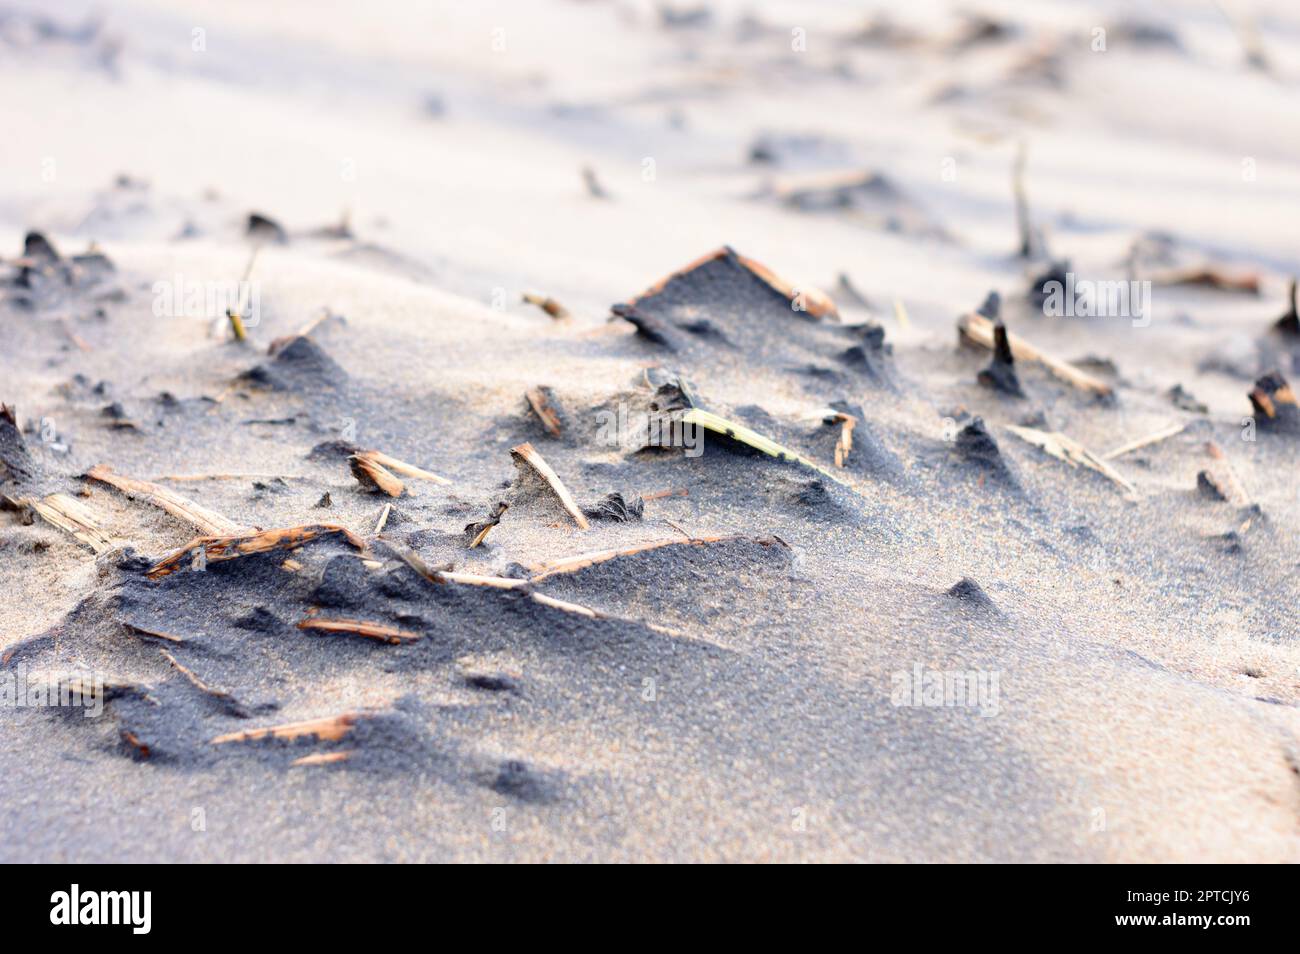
1066	448
979	330
528	454
380	631
402	467
383	518
1147	441
327	729
72	517
196	515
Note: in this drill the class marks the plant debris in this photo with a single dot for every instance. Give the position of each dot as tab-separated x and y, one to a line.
617	508
526	455
979	330
1000	375
548	305
217	549
379	631
1273	398
74	517
541	400
196	515
476	533
1072	452
374	477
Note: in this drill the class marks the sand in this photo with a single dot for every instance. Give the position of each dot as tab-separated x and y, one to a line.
731	695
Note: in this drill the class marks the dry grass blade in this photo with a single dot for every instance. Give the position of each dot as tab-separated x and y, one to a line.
327	729
401	466
979	330
541	405
199	517
528	454
74	517
380	631
200	685
374	476
760	442
1160	435
583	560
1072	452
156	634
217	549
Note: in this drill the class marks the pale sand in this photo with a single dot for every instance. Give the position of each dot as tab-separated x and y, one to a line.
1148	676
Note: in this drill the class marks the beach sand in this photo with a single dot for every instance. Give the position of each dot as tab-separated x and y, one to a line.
743	691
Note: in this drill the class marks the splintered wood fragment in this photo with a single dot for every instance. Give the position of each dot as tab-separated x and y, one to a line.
1160	435
1072	452
380	631
1225	478
548	305
374	476
845	442
528	454
196	515
74	517
383	518
583	560
401	466
327	729
477	532
979	331
217	549
324	758
541	405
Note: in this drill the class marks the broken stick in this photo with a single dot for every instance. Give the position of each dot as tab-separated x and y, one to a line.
979	331
196	515
527	454
1072	452
72	517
